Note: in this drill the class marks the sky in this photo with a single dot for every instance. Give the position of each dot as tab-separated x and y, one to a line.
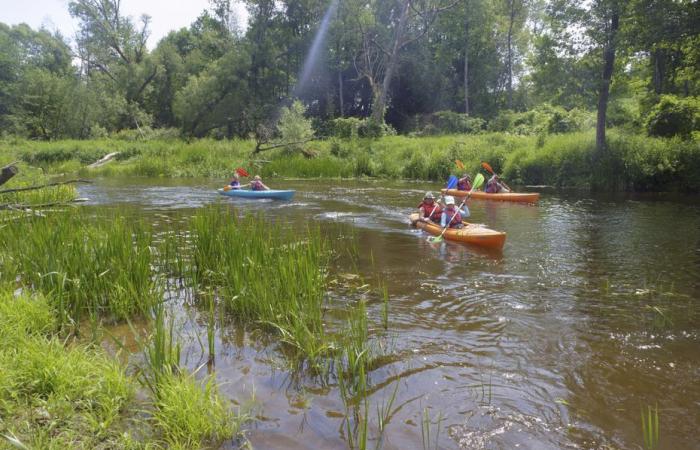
166	15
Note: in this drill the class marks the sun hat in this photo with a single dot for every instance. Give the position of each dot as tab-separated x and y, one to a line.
449	200
429	195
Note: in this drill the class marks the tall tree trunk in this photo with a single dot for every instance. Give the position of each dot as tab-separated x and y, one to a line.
509	62
379	106
604	94
340	92
466	62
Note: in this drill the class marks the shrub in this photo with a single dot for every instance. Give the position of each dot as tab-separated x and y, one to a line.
372	129
345	127
673	116
294	127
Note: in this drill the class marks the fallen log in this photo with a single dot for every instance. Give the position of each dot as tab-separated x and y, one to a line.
28	207
104	160
31	188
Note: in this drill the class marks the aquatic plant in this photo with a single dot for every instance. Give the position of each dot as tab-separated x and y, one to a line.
426	426
650	427
87	266
267	275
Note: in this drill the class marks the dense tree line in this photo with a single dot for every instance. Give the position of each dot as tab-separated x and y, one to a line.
399	61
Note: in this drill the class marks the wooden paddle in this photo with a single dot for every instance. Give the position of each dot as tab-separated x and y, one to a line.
488	168
478	181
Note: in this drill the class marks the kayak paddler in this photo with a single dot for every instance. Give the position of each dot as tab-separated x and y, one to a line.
464	183
494	185
429	209
235	181
258	185
452	215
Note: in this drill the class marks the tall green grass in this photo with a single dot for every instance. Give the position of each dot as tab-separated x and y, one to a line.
264	274
88	266
191	414
53	394
632	162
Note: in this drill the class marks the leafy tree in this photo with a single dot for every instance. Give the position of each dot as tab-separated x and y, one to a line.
115	46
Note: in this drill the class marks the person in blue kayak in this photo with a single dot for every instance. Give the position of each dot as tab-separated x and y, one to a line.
451	215
429	209
257	185
494	185
464	183
235	181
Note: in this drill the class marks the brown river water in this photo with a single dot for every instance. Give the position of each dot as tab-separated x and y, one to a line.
590	314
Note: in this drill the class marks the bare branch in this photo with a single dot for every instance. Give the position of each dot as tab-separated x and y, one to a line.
32	188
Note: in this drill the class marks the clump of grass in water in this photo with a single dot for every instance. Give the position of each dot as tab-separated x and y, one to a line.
426	425
89	266
650	427
267	275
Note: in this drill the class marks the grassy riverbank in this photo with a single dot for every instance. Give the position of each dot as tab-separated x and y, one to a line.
632	162
63	284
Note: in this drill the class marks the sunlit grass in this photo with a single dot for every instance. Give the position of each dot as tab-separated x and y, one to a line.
90	266
631	161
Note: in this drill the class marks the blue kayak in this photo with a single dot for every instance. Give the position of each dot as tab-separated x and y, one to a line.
246	193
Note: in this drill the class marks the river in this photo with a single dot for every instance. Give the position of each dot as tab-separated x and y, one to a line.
589	315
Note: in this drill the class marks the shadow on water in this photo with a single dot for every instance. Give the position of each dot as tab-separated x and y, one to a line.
588	315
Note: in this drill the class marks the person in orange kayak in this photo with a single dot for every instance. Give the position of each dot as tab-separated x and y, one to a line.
464	183
429	209
494	185
451	215
257	184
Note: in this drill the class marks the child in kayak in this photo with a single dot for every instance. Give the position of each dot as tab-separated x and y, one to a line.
451	215
464	183
258	185
235	181
429	209
494	185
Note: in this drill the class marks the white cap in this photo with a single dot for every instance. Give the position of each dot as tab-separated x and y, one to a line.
449	200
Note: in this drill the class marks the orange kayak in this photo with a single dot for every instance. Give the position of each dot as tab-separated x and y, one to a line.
469	234
525	197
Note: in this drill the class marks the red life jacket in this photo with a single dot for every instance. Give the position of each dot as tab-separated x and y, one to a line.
454	218
256	185
433	212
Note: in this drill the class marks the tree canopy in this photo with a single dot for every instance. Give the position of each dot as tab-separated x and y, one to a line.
399	61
